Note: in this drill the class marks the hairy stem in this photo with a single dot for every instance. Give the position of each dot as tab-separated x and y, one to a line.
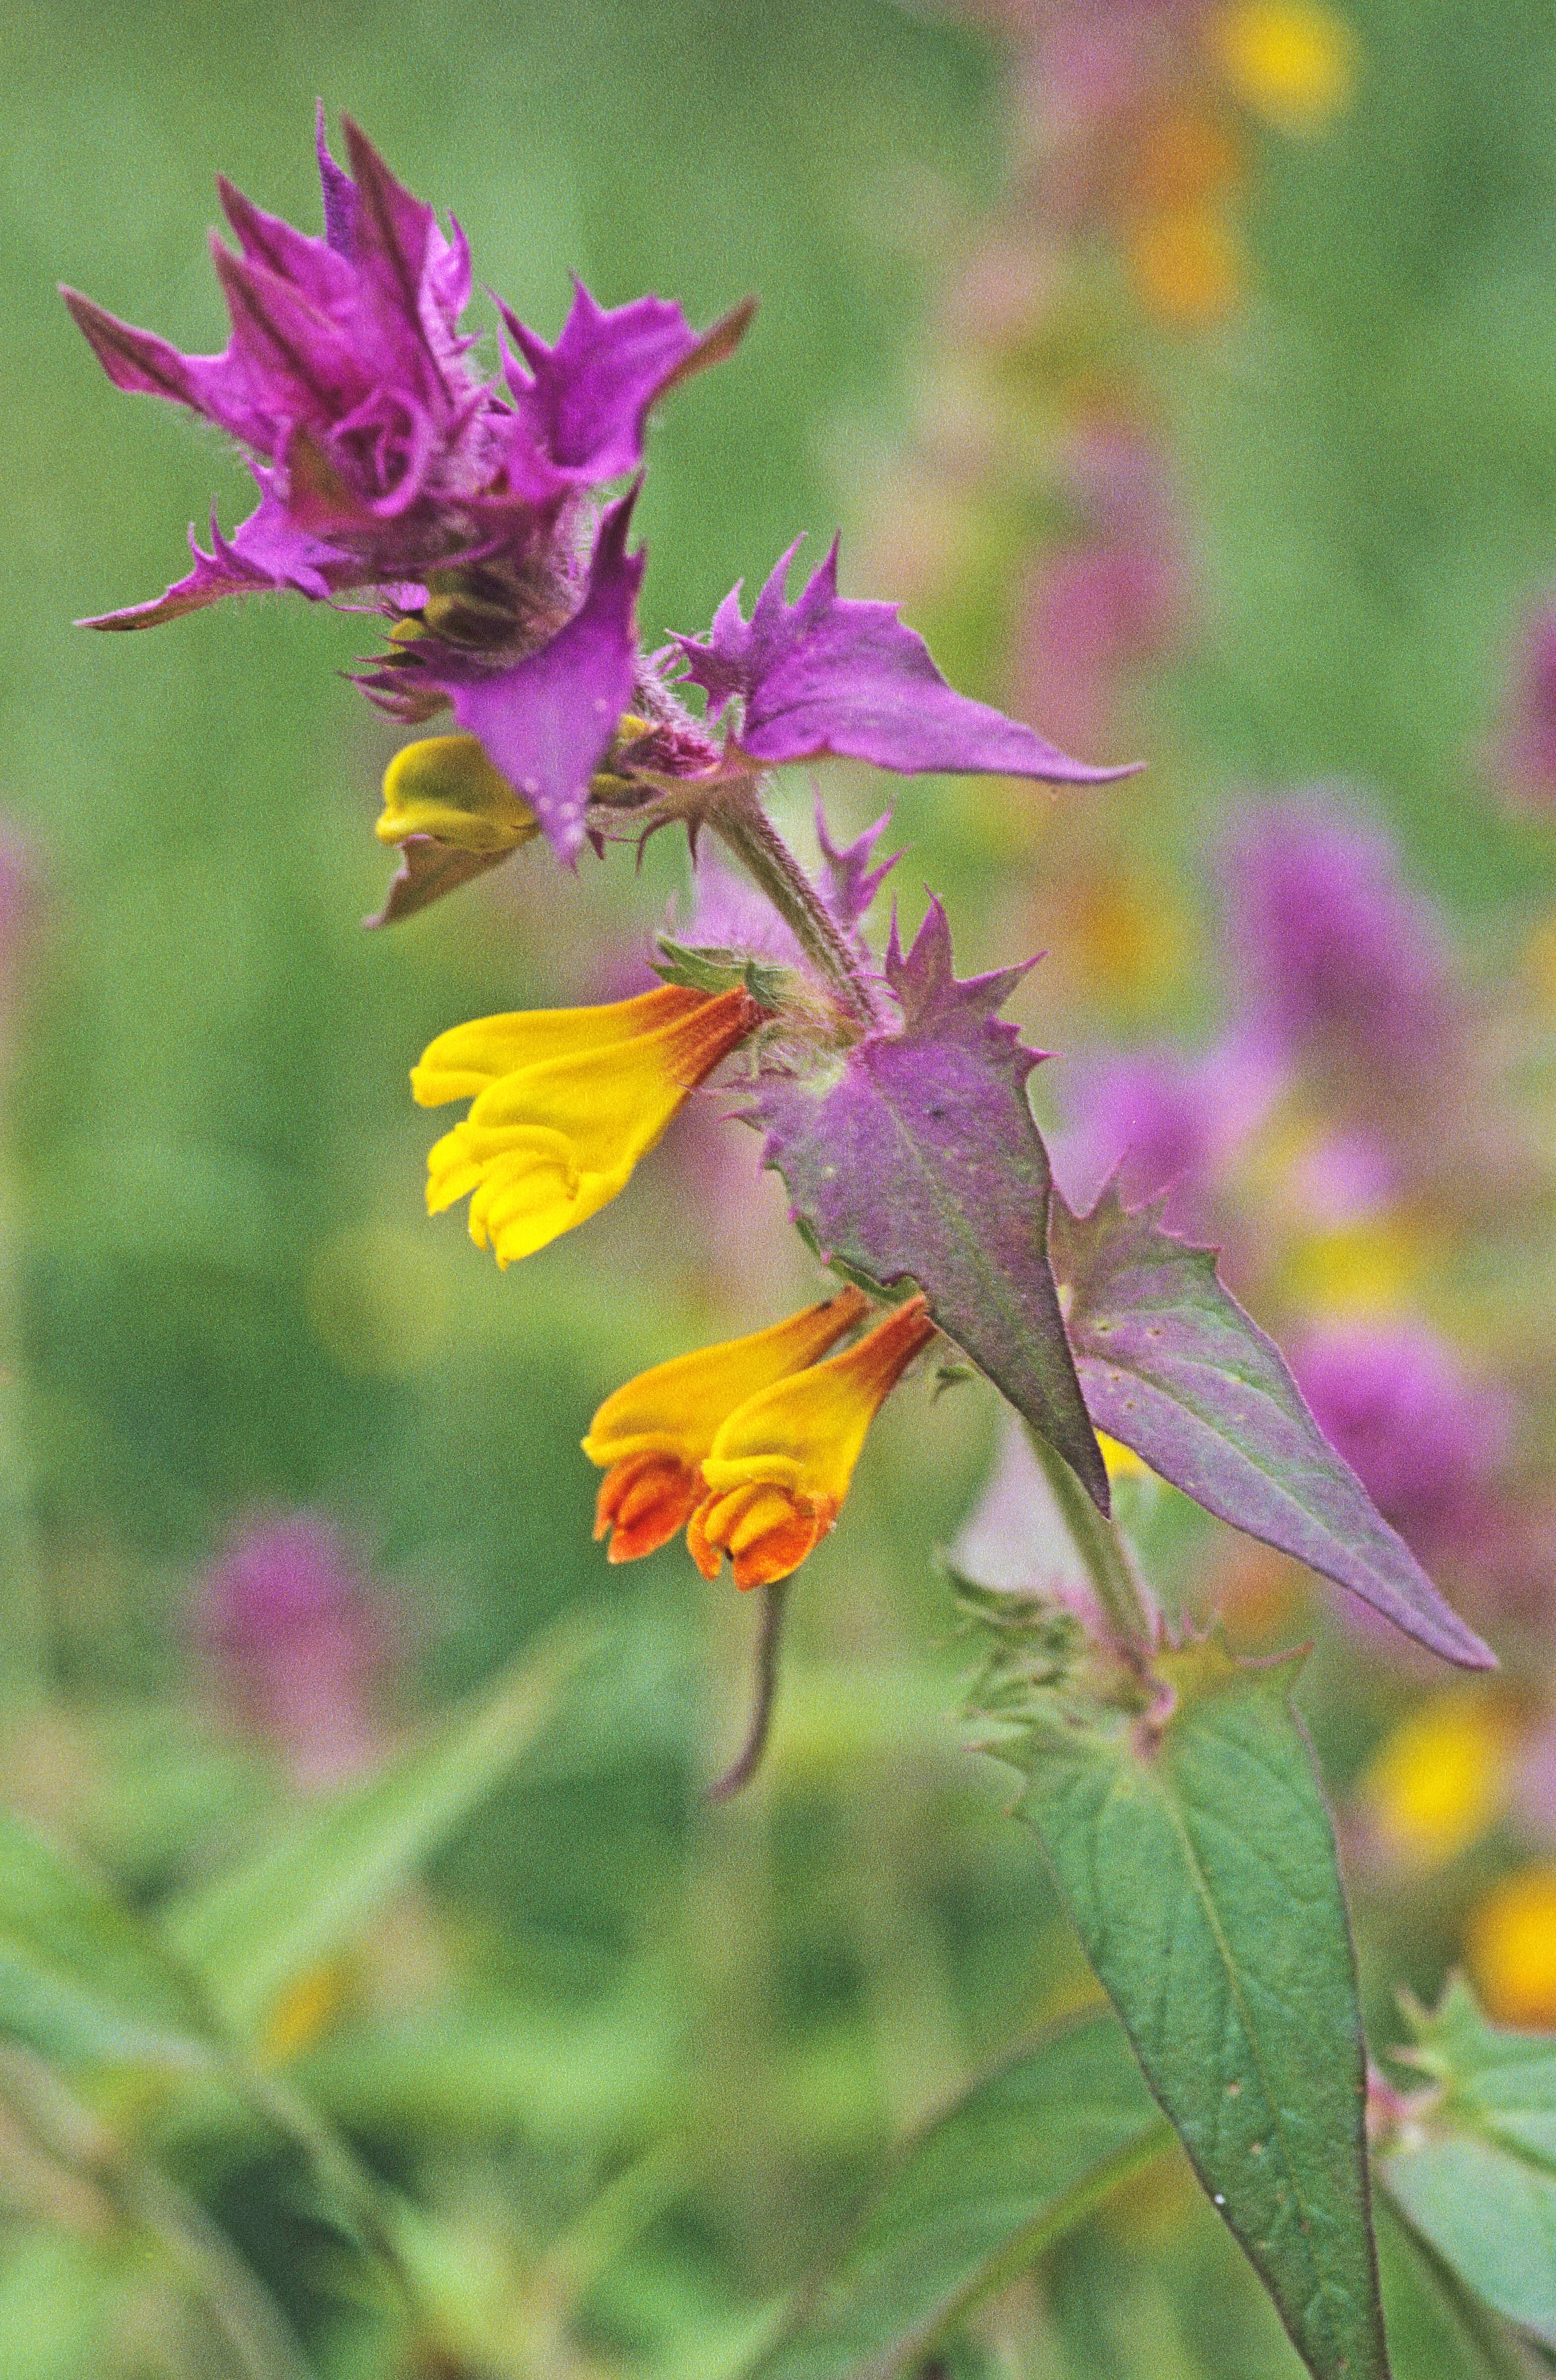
1103	1553
748	1759
743	826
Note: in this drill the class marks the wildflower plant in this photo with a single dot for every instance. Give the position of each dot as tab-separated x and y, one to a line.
487	519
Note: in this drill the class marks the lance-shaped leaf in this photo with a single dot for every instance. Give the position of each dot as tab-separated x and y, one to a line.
1185	1829
1437	2329
1173	1367
1020	2158
254	1932
81	1980
827	673
915	1157
1474	2171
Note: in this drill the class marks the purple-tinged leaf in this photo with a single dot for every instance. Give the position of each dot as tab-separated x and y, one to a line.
827	673
547	722
1171	1366
915	1157
579	413
428	870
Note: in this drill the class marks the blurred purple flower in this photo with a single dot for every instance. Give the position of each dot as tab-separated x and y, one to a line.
1425	1439
1336	956
1163	1121
1344	1177
1524	755
1114	595
297	1636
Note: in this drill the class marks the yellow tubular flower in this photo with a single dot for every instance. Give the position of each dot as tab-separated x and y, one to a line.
446	787
651	1438
779	1467
566	1103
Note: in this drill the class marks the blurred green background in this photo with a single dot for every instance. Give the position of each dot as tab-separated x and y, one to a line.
219	1293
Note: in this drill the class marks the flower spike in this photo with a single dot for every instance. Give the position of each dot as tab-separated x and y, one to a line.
651	1438
566	1102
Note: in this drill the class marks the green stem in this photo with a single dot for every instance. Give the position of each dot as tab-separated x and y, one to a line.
262	2343
769	1635
1102	1551
354	2189
743	826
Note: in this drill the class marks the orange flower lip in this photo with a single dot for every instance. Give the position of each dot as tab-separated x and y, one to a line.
749	1446
642	1503
765	1531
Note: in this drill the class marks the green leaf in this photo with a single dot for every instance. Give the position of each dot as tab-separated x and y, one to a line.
1436	2330
1028	2152
254	1932
81	1980
1472	2171
1185	1829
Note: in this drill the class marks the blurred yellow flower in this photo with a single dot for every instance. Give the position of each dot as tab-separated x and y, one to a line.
1127	935
1186	266
566	1102
779	1467
1511	1946
1440	1779
1540	962
651	1436
1295	65
1372	1266
306	2011
446	787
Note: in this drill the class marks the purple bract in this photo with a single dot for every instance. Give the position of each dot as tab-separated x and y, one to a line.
827	673
385	461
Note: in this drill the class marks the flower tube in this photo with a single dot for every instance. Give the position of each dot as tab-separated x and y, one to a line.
565	1102
651	1438
779	1467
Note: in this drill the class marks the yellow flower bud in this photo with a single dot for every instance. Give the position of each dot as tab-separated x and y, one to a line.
446	787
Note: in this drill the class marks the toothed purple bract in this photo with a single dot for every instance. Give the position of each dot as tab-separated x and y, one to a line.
380	454
916	1158
547	720
827	673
